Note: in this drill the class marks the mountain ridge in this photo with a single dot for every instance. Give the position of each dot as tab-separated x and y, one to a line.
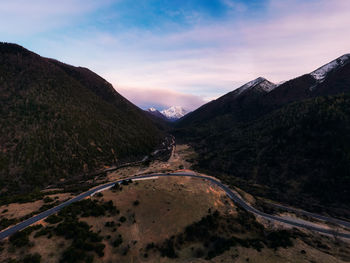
285	144
58	121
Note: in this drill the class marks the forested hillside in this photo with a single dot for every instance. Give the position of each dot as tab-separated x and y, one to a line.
288	143
299	154
57	121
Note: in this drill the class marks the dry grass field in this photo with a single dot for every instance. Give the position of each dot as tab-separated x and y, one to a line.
155	210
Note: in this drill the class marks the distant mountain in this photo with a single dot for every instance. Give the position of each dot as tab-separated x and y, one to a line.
156	113
286	142
174	113
58	121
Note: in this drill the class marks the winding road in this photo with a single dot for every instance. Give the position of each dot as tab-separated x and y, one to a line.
231	194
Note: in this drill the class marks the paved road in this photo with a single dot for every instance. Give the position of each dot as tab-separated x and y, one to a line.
316	216
11	230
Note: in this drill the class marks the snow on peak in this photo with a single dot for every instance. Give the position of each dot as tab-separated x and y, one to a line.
260	82
174	112
152	109
321	73
266	85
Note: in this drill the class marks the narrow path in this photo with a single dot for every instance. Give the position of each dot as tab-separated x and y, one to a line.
11	230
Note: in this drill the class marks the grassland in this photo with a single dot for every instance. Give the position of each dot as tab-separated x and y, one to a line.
132	224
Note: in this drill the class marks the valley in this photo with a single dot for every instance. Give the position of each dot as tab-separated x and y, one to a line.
87	176
153	208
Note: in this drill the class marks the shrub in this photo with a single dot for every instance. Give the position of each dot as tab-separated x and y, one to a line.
32	258
53	219
21	238
280	238
48	199
118	241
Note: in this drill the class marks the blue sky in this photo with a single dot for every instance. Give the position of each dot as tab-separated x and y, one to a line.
162	53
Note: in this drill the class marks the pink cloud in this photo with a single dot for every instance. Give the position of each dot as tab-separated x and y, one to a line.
160	98
206	61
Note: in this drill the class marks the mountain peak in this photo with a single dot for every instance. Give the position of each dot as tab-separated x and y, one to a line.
174	112
259	83
321	73
12	48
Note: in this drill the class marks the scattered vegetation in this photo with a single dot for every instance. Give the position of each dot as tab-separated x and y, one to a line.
5	222
53	219
87	207
21	238
217	233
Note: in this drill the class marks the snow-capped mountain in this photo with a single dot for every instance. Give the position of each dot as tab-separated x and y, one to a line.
174	113
321	73
259	84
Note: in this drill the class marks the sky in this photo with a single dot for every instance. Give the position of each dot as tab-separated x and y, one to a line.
164	53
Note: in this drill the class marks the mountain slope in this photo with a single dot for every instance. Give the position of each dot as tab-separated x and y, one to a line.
158	119
299	154
289	143
260	96
330	79
156	113
58	121
236	106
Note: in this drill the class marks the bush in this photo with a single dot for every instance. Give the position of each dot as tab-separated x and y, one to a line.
53	219
21	238
110	224
280	238
126	182
32	258
84	241
4	222
42	232
48	199
116	187
88	208
168	250
118	241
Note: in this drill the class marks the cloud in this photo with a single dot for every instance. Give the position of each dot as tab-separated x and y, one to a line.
167	65
160	98
22	17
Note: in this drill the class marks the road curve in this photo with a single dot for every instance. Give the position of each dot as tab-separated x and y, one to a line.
11	230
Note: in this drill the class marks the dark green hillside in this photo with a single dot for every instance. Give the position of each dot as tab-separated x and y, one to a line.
287	143
299	154
235	106
57	121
